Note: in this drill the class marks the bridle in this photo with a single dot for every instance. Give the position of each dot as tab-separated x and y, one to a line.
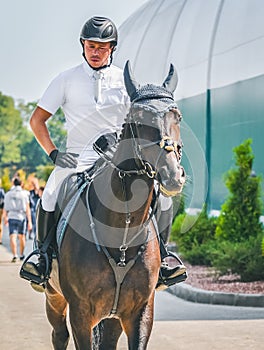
164	143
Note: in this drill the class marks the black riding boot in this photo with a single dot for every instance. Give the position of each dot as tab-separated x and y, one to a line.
168	275
38	273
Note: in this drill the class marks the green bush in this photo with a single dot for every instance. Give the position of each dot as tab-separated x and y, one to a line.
242	258
194	237
234	241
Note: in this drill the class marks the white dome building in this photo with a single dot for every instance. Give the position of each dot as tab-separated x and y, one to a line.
217	48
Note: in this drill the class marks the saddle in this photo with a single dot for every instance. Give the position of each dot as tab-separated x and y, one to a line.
69	200
72	184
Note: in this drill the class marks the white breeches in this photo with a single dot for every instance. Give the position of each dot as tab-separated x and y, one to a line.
53	185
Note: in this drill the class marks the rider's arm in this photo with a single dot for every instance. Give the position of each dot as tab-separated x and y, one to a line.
40	130
39	127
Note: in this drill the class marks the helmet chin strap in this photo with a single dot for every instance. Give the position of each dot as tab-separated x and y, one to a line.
102	67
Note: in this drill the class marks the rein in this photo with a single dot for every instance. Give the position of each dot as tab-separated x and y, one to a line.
122	267
125	245
146	170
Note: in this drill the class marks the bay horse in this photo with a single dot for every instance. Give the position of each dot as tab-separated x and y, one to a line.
109	257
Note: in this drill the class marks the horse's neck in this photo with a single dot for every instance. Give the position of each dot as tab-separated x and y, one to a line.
120	197
135	190
125	157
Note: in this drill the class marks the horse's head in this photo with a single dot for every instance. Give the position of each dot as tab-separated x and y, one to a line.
154	121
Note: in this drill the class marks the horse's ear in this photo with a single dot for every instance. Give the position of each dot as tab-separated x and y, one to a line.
130	82
170	83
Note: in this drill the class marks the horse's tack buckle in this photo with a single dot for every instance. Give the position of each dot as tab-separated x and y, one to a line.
122	260
121	174
168	144
149	170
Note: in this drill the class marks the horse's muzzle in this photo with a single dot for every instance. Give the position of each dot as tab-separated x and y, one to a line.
171	182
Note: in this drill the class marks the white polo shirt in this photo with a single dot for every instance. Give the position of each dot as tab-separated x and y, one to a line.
87	120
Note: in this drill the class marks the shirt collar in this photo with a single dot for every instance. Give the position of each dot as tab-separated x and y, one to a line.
17	188
91	71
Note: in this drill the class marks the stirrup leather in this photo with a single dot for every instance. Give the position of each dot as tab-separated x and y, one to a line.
39	279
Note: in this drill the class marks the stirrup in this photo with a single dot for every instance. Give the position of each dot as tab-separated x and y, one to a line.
163	284
41	279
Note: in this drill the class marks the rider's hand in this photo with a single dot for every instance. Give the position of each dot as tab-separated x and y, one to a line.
64	159
106	141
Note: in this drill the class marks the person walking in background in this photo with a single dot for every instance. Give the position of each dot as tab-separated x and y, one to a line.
40	192
2	199
16	214
33	201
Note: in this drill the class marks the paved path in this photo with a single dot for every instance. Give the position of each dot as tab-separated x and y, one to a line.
179	324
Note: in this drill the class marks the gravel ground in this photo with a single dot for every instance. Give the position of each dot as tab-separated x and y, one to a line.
205	278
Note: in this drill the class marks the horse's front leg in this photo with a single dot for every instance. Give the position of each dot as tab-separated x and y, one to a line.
138	328
110	332
56	309
81	325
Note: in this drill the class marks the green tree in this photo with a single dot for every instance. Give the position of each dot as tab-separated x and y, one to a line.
6	181
239	233
240	215
33	155
18	147
56	126
11	132
26	110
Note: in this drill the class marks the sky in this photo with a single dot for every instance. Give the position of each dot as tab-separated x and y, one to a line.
40	39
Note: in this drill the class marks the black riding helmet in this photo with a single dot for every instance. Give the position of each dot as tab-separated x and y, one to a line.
99	29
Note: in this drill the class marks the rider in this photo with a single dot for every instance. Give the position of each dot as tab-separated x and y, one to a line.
94	100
